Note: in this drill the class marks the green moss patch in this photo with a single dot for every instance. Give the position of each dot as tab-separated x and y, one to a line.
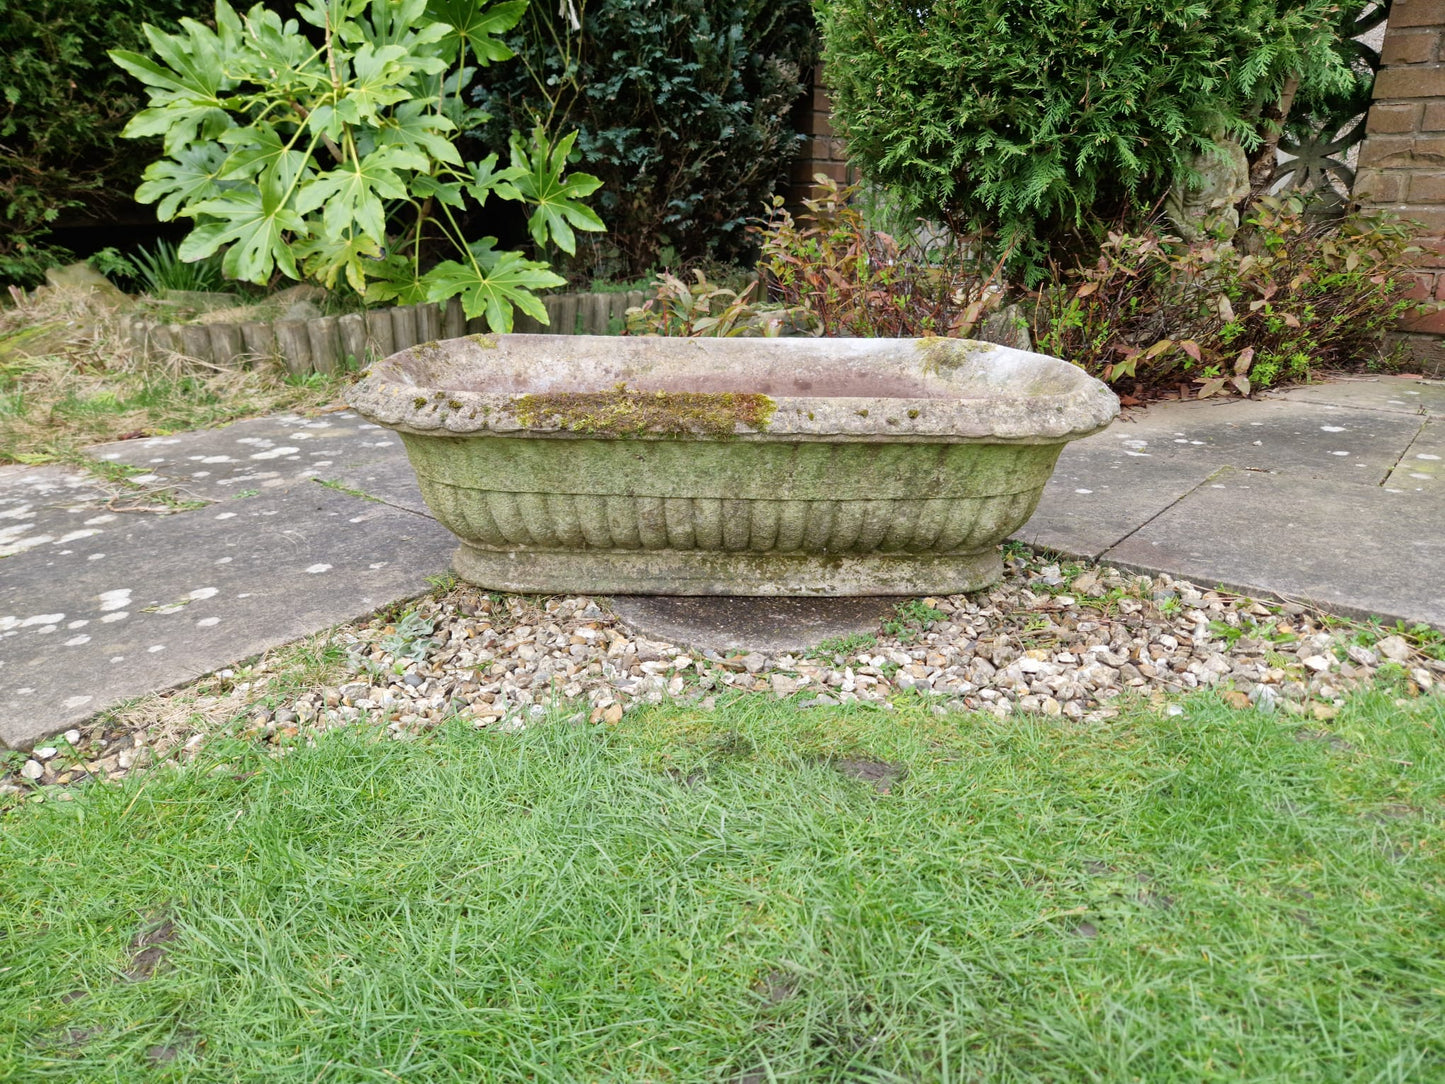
624	410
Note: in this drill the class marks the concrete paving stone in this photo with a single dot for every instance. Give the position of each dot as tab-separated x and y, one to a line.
751	624
1321	440
1356	550
155	601
257	455
1098	495
1422	468
49	507
1393	394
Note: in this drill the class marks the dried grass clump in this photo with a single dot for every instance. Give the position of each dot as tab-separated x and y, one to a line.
69	376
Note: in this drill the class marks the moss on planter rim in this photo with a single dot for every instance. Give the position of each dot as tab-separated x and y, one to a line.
622	411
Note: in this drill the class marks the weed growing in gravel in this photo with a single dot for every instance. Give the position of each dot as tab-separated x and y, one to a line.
843	647
911	617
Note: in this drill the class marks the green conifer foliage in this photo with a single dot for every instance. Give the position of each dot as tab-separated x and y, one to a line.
1040	121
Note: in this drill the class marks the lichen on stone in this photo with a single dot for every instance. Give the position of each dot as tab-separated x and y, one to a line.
623	410
941	355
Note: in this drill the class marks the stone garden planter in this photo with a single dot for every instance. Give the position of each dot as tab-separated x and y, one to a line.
731	466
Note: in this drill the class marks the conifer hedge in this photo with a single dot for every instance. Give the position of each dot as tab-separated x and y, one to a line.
1039	120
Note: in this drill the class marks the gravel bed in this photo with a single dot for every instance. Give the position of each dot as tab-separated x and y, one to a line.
1051	639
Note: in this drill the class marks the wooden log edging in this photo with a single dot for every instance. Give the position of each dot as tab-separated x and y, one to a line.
331	344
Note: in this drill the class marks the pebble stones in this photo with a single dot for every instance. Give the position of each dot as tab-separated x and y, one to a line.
1047	640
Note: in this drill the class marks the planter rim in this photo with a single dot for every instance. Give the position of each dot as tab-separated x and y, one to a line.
888	390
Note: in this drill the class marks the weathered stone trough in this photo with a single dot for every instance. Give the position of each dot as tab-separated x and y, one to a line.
674	466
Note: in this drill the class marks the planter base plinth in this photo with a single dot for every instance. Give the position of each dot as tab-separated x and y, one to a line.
697	572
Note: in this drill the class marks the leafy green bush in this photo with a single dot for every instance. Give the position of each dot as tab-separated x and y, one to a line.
858	281
62	105
1292	296
331	156
681	107
710	310
1038	120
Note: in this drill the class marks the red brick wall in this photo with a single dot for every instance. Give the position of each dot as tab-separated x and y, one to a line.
822	152
1402	161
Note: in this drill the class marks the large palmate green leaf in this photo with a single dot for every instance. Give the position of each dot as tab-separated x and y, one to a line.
180	181
254	223
327	260
351	195
259	152
556	197
332	152
413	126
492	283
185	101
474	26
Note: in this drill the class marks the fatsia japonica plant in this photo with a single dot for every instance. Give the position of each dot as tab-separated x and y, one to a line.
328	153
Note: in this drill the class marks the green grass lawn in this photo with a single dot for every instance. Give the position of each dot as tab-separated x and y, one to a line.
1212	895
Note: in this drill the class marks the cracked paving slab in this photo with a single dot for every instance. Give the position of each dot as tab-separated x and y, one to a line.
156	601
1358	550
1422	467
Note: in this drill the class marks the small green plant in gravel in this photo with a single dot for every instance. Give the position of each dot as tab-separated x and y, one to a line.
844	646
822	894
410	638
911	617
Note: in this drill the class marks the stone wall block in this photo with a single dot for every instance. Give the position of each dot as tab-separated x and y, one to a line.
1379	186
1427	187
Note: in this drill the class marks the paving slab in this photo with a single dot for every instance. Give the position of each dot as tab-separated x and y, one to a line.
1421	468
49	507
1357	550
736	623
1321	440
1393	394
263	454
1098	496
152	602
